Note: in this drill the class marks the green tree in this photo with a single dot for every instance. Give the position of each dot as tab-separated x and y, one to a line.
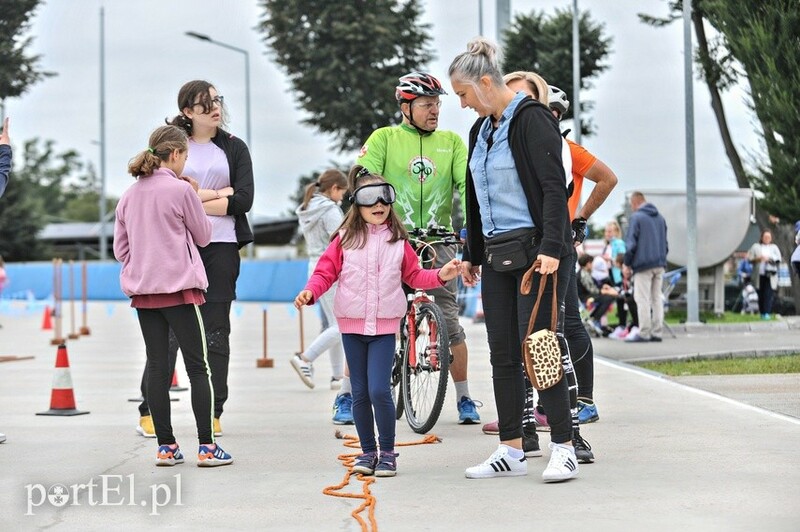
47	187
543	44
756	43
18	69
343	59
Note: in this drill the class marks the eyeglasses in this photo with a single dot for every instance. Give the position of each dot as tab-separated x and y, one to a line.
216	100
428	106
369	195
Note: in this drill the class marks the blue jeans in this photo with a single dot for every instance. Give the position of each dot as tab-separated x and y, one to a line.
370	361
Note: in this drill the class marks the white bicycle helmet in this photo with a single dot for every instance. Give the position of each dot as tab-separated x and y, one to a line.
416	84
558	99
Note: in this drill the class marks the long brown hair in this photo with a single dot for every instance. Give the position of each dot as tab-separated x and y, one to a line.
324	183
163	141
353	226
186	98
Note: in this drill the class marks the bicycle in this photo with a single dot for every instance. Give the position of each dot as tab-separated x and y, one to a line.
422	359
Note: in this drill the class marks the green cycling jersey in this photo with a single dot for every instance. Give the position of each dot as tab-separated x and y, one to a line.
432	165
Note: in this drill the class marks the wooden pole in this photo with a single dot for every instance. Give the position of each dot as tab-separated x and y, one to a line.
265	361
84	328
72	334
57	338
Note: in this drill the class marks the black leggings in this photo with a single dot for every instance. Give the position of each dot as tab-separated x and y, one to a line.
186	322
216	319
507	313
580	344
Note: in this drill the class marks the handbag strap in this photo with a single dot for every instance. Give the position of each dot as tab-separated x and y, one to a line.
525	288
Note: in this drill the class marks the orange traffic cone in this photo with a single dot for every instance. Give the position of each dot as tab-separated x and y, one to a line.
47	323
175	387
62	399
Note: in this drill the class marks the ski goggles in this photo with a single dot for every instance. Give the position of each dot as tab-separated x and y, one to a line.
369	195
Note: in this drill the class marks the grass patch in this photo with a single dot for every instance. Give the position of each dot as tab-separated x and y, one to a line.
674	317
728	366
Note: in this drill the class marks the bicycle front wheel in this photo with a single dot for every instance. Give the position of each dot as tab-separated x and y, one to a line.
424	383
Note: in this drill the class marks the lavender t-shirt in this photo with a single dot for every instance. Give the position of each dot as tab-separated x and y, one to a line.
208	164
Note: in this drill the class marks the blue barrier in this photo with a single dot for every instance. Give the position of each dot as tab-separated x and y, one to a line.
259	280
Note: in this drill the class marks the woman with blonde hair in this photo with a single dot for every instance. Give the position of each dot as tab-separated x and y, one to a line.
516	191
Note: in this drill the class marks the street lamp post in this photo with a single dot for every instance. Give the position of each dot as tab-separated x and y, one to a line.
203	37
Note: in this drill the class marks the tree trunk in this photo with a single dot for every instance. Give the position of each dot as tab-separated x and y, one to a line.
716	102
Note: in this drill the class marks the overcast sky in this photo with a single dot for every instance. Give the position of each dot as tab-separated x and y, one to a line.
639	100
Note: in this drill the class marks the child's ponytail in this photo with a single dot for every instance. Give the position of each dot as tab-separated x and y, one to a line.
163	141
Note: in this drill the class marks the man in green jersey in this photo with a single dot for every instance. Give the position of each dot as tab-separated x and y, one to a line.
426	166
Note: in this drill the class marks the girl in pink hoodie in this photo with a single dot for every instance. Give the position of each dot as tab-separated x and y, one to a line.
370	257
159	222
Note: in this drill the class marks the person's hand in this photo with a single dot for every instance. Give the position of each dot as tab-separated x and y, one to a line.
470	274
4	139
548	264
225	192
450	270
193	182
578	231
303	298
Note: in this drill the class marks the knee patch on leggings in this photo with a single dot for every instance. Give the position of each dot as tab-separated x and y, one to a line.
217	341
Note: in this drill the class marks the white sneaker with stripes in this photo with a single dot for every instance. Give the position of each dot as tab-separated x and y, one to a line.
305	370
500	464
563	464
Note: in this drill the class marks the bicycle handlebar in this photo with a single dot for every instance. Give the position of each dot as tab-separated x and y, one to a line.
441	233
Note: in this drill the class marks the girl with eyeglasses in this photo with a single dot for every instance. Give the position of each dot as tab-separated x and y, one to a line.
371	257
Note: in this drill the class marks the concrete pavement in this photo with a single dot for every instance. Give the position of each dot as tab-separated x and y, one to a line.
669	456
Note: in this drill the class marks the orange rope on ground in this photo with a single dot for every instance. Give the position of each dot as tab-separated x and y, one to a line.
348	460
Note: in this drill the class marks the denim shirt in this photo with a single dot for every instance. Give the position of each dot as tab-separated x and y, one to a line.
497	186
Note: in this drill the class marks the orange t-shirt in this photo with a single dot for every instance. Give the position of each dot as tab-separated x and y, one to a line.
582	160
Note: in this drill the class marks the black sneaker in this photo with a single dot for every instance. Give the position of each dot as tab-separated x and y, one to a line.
583	451
530	442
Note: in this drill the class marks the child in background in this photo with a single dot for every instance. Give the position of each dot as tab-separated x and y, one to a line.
159	221
320	216
370	257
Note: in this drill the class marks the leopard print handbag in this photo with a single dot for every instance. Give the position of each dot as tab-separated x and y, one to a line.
541	352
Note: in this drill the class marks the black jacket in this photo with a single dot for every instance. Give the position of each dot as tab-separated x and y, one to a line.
241	169
535	142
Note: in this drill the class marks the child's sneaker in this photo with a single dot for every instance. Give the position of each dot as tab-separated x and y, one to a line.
366	463
387	464
169	456
587	412
563	464
343	409
305	370
499	464
207	457
540	420
146	427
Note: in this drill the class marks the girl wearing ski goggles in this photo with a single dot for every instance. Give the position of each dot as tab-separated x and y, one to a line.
373	193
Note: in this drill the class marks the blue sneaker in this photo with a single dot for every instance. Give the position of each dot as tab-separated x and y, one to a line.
167	456
467	411
366	463
212	457
343	409
587	412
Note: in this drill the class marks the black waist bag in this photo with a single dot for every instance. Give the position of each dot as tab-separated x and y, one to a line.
513	250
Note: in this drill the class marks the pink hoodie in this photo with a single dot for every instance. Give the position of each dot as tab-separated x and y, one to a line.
159	221
369	299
